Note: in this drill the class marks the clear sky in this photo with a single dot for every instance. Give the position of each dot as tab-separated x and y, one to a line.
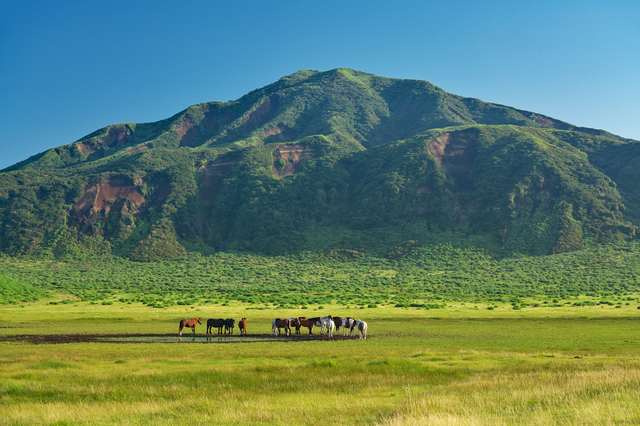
68	68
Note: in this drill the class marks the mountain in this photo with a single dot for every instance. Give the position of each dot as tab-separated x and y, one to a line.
336	160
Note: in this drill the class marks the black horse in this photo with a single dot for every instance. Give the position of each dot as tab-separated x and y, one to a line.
229	325
217	323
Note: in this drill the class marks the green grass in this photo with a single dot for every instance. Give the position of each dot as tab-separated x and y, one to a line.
527	340
570	365
430	276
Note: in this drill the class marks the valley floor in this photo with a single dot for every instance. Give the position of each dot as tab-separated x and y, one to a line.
463	364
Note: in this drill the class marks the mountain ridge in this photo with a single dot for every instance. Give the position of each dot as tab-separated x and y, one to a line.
316	150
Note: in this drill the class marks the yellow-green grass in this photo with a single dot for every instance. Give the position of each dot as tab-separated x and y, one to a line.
458	365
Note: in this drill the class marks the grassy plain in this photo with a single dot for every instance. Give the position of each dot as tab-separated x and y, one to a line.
463	364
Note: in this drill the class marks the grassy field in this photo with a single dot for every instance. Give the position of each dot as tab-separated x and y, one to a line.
464	364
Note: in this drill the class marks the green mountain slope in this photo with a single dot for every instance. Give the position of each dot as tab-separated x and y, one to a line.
325	160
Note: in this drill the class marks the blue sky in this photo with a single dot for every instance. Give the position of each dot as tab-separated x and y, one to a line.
69	68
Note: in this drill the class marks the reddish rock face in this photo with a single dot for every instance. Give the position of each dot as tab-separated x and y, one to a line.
454	148
292	158
210	178
94	148
101	199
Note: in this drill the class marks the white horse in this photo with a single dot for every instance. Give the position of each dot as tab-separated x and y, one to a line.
346	324
322	322
331	326
361	326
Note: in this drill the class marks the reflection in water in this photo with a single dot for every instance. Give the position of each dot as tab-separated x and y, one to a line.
194	339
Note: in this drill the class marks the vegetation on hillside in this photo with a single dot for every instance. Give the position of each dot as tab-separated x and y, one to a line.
320	161
411	275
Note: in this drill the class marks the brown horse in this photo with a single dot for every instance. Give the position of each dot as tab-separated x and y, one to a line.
242	325
294	322
279	323
189	323
309	323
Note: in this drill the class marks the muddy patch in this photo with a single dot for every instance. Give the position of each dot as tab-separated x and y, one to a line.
43	339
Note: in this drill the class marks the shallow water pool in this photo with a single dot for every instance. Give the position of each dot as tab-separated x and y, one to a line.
191	339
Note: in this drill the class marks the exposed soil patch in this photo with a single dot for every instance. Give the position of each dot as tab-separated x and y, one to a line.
187	132
211	177
456	151
288	159
214	118
454	148
40	339
279	133
545	121
95	148
550	122
101	198
138	149
262	114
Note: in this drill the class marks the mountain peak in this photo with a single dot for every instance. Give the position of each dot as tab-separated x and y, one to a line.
317	153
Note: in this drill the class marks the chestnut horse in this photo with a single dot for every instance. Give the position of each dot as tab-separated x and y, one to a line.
294	322
309	323
242	325
189	323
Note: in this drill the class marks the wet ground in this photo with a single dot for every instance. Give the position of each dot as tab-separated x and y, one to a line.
163	338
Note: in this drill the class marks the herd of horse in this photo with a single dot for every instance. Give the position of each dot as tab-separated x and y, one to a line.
329	322
228	325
